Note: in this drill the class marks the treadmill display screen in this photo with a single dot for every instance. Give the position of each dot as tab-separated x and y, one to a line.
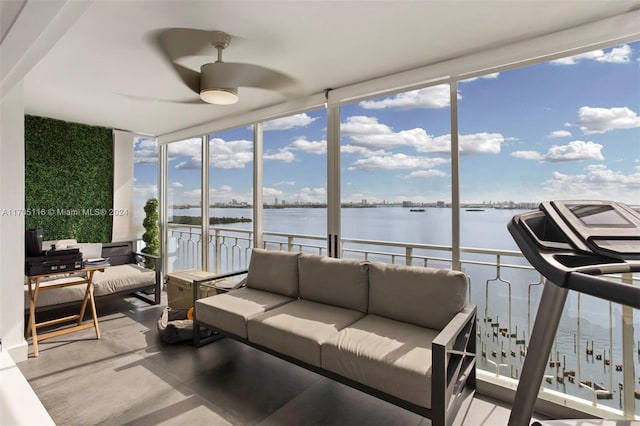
599	216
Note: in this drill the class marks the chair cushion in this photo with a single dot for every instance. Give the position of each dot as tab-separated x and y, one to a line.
298	328
230	311
388	355
122	277
274	271
337	282
426	297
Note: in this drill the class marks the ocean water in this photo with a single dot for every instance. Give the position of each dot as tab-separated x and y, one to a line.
489	289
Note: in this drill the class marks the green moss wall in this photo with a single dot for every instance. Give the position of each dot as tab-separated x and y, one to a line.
68	179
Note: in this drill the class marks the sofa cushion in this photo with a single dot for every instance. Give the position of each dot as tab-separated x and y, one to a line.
274	271
337	282
230	311
299	328
384	354
426	297
121	278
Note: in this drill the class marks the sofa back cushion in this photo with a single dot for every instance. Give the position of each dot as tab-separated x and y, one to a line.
426	297
338	282
274	271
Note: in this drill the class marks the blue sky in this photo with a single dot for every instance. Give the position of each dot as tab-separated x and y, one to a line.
565	129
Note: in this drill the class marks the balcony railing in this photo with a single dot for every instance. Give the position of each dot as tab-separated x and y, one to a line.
591	369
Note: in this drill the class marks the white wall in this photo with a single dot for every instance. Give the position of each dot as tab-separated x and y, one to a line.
123	226
12	223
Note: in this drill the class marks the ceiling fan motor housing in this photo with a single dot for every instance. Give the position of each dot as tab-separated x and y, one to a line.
210	90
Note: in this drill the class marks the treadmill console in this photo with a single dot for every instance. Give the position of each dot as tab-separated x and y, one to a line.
573	243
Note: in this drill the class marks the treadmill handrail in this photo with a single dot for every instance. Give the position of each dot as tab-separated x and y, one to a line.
598	286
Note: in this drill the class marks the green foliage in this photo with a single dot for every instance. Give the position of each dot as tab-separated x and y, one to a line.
197	220
68	179
152	230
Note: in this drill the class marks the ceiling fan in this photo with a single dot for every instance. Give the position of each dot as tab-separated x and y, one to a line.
217	82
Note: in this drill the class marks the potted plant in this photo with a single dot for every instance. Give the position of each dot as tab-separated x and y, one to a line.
152	231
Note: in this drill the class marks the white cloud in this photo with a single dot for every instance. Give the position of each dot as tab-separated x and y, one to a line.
281	155
617	55
559	134
601	120
186	148
429	97
311	147
574	151
190	164
189	148
176	184
361	150
297	120
271	192
476	143
361	125
426	174
395	162
222	154
486	76
527	155
144	192
226	193
369	133
597	182
230	154
145	151
311	195
285	183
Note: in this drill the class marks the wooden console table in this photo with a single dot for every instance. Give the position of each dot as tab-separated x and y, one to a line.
76	278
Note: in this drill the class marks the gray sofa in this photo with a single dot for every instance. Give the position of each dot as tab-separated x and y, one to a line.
404	334
125	276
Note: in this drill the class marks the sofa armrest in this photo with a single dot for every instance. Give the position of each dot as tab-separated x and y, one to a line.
156	259
196	283
157	267
454	360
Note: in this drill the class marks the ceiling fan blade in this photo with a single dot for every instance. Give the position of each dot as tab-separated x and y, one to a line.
195	101
232	74
188	76
180	42
176	43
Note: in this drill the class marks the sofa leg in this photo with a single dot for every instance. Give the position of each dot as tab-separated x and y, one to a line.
199	341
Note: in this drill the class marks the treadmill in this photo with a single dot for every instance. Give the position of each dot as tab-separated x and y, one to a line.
573	244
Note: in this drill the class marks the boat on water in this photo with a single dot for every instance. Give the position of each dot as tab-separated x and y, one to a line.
416	210
474	210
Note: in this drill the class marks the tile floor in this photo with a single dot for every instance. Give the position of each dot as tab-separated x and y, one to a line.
130	377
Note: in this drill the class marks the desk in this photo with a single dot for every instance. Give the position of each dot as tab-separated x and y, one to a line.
76	278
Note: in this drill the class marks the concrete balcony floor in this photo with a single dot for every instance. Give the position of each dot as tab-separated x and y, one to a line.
130	376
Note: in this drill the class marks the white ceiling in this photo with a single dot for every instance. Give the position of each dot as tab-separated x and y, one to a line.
108	70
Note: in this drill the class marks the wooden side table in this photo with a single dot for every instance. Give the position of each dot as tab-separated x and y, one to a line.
34	288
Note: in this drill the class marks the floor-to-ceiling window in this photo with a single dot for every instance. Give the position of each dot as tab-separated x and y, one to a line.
396	176
295	182
230	199
184	186
145	176
564	129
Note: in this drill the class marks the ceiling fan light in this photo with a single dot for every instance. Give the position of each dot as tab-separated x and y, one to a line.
219	96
